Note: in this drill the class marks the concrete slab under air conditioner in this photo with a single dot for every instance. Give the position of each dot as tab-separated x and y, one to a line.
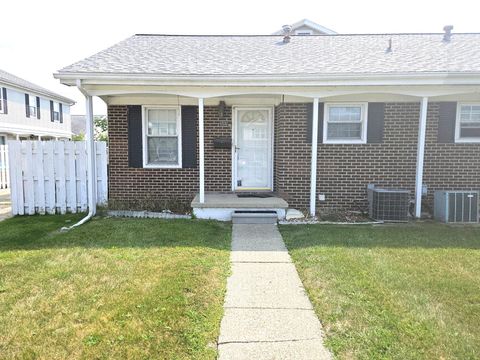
222	206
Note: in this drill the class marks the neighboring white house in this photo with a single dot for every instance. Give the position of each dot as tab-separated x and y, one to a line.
28	111
307	27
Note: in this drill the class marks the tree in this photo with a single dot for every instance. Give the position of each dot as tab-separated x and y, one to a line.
100	132
101	128
78	137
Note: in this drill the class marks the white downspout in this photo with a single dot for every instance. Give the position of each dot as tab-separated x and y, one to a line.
91	170
313	170
422	126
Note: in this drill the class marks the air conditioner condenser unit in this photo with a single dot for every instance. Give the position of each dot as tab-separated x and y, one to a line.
456	206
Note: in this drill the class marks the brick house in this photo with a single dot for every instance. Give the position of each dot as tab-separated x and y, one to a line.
312	119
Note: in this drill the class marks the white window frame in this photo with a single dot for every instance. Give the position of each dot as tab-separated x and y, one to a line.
459	139
145	136
364	122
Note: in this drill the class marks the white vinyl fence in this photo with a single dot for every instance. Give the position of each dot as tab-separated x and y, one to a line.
51	176
4	175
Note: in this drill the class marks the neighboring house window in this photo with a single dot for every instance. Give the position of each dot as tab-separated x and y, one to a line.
3	140
162	139
56	111
32	105
303	32
345	123
3	101
468	123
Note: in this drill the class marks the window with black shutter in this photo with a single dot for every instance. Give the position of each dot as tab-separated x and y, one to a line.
55	108
3	101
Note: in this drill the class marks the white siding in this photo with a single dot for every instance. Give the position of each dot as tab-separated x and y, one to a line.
16	121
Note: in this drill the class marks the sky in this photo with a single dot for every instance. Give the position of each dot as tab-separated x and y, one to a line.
40	37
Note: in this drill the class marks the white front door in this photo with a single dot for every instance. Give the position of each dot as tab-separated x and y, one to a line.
252	165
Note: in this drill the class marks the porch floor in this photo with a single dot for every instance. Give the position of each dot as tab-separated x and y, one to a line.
232	201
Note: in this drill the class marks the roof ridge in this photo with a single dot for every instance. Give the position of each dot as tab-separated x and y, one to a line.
313	35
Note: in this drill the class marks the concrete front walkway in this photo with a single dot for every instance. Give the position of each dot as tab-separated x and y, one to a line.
267	313
5	205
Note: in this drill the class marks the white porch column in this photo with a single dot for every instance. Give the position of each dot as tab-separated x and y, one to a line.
422	126
39	137
201	150
18	137
313	171
92	175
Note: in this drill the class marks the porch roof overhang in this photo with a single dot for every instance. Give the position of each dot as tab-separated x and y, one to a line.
303	85
417	86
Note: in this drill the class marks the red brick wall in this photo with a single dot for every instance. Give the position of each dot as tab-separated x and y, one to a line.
218	162
344	170
449	166
292	154
138	188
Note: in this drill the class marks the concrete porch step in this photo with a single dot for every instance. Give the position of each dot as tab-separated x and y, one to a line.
221	206
254	217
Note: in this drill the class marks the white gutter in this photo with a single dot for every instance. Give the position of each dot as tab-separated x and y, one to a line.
92	183
313	170
422	126
332	79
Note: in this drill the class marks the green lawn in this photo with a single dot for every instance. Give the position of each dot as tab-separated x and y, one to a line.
113	288
392	291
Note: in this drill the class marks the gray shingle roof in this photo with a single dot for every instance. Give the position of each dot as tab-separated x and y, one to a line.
268	55
10	79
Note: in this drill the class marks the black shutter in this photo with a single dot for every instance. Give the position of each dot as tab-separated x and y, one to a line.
60	110
27	105
135	146
5	103
189	136
38	107
51	111
446	122
310	122
375	122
